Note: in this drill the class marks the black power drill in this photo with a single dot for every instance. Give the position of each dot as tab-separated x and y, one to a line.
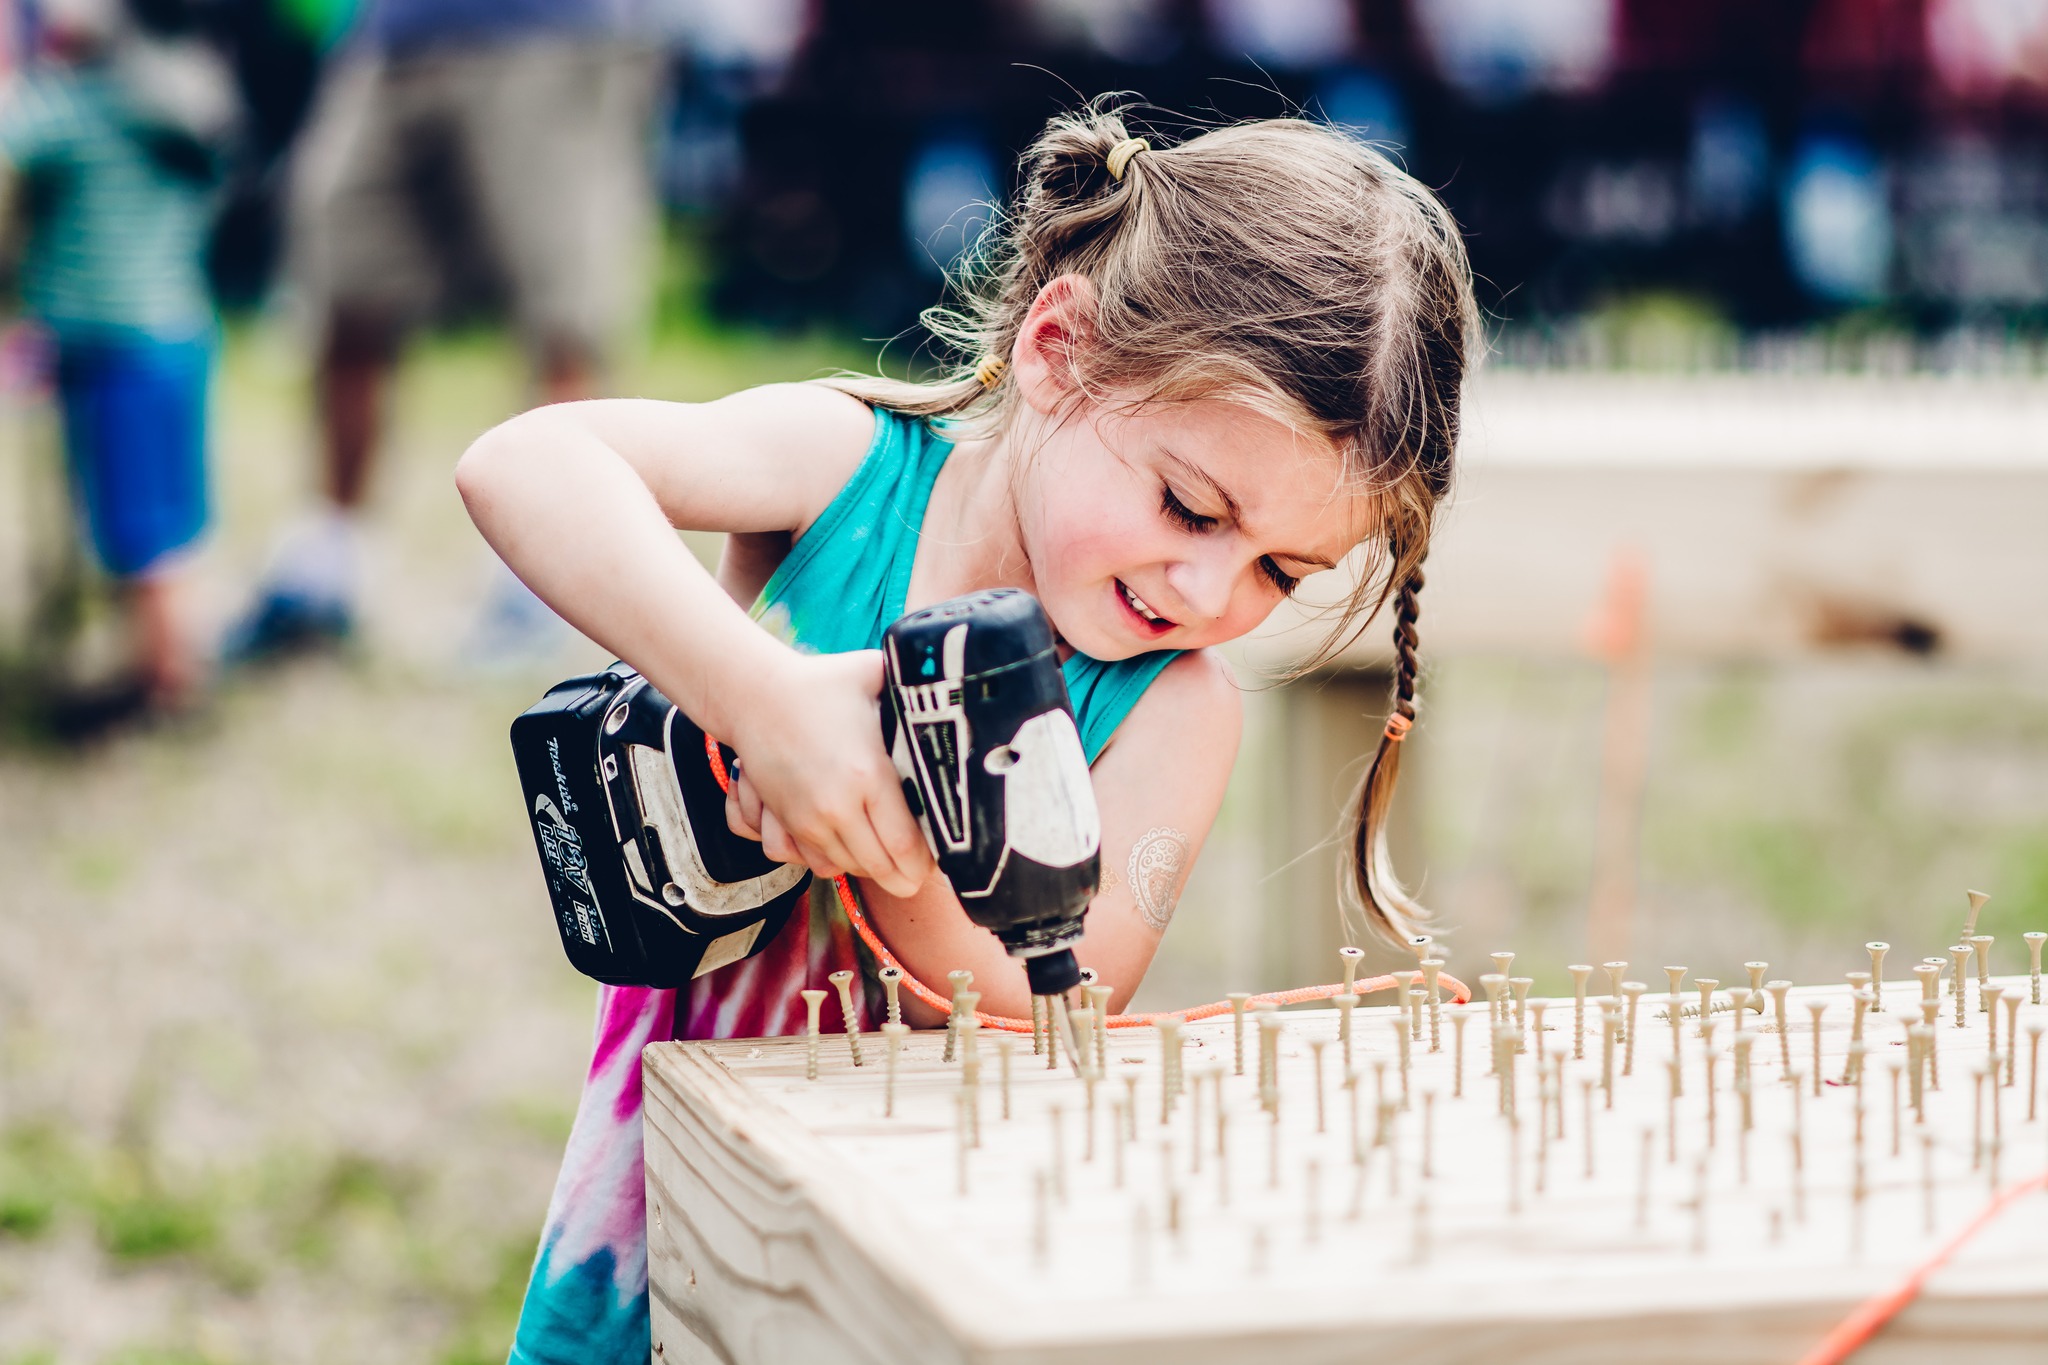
652	888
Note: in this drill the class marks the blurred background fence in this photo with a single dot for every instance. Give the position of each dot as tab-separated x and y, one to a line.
1735	634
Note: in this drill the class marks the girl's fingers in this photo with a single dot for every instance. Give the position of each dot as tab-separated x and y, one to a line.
906	861
775	840
898	831
873	860
818	862
743	809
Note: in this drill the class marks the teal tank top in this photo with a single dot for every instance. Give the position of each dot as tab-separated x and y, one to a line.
845	579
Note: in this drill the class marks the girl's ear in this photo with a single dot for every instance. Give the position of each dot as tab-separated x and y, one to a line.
1059	324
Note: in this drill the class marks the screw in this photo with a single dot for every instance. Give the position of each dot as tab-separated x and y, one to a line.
1615	972
1495	986
1778	990
1816	1008
1238	1000
960	980
1961	953
1315	1049
893	1033
2012	1020
1432	969
1349	957
1982	944
1345	1005
1580	971
842	981
1633	991
1098	1001
1503	964
1929	1010
892	982
1977	900
2034	1031
813	1002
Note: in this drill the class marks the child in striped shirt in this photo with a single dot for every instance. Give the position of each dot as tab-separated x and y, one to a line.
106	149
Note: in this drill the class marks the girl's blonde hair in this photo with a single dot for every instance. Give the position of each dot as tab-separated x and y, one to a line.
1280	263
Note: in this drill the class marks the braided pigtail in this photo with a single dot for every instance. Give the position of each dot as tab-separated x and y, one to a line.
1374	888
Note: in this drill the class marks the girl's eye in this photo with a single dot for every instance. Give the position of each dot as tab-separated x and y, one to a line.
1180	513
1286	582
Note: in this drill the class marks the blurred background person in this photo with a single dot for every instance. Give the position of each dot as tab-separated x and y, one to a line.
466	154
112	146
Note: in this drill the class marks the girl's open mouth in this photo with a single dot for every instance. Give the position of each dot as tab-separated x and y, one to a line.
1148	620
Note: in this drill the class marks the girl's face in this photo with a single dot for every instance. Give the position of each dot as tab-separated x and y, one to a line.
1179	525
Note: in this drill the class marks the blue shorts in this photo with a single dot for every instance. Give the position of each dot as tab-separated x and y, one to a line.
135	436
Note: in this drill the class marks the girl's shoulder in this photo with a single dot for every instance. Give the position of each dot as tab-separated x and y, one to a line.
1198	685
1195	695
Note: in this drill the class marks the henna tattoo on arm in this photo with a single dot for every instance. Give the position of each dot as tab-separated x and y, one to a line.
1159	861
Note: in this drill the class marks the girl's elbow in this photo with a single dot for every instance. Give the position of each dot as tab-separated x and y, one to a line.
482	467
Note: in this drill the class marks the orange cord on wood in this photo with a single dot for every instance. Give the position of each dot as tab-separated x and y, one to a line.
1859	1327
849	900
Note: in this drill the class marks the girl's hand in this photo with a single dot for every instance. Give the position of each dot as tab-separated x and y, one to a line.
815	785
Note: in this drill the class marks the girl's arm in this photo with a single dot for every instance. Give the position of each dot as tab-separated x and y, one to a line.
581	500
1159	784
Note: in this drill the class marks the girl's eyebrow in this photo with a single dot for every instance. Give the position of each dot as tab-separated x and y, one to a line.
1236	510
1203	476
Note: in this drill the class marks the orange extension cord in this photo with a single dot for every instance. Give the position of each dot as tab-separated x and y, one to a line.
850	901
1856	1330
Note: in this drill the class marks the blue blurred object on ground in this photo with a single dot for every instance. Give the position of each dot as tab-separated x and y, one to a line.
280	625
514	629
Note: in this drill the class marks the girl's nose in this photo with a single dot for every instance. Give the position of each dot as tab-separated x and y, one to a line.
1203	584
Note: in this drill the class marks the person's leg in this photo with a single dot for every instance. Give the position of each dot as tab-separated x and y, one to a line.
356	364
359	255
552	135
166	641
566	371
135	430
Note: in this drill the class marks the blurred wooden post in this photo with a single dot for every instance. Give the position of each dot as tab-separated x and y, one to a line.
1331	725
1618	635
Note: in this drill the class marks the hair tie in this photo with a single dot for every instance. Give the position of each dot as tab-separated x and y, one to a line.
1120	155
990	371
1398	727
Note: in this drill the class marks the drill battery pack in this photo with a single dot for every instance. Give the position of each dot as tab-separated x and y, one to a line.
650	886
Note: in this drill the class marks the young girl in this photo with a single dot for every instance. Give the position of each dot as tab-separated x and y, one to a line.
1190	377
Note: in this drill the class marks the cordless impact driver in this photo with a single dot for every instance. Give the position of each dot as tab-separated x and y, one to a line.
652	888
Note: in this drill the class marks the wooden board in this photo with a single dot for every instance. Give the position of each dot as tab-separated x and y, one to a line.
790	1220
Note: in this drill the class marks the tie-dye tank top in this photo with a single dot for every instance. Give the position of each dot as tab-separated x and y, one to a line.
842	584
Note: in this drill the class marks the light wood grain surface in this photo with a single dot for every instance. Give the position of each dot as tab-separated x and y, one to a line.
789	1220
